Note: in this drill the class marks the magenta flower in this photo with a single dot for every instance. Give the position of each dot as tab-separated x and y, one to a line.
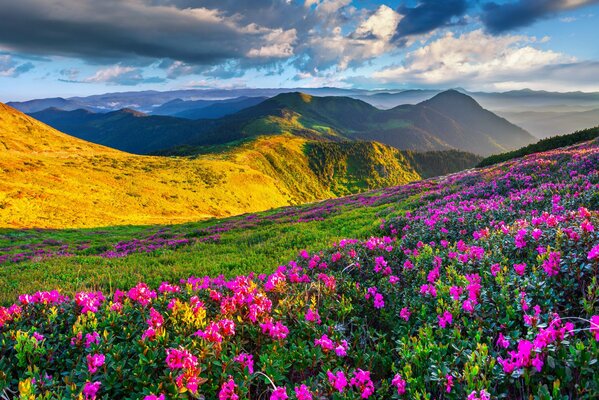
280	393
551	264
92	338
246	360
520	268
594	253
303	393
399	383
502	341
95	361
180	359
227	390
362	382
90	390
337	380
312	316
595	326
448	383
154	397
445	319
405	313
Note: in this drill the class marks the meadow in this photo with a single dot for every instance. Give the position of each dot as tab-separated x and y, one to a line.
477	285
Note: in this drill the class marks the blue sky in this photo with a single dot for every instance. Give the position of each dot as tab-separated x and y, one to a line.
66	48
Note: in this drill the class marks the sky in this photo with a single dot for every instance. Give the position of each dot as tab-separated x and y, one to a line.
51	48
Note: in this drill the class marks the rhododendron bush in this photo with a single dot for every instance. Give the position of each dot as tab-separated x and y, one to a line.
488	289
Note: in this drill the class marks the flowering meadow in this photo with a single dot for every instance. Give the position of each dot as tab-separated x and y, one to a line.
484	288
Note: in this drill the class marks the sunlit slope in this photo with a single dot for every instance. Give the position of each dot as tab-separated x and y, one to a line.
52	180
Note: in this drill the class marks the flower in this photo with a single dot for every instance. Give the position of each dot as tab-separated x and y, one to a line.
337	380
90	390
520	268
594	253
405	313
312	316
361	381
154	397
399	383
280	393
227	390
95	361
595	326
303	393
445	319
180	359
448	383
246	360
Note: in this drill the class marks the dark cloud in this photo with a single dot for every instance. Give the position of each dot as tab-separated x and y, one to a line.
499	18
108	31
428	15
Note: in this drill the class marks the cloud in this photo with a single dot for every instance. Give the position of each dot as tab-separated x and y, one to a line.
9	67
500	18
332	48
472	59
428	15
120	75
106	31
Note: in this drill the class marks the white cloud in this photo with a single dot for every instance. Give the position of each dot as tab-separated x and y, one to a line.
474	58
9	67
279	44
109	74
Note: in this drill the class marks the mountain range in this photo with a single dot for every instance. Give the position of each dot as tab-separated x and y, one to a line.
448	121
51	179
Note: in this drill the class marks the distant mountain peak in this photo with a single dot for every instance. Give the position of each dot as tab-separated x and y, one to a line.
131	111
453	97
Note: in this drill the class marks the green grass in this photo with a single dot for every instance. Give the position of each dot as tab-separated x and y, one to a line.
240	251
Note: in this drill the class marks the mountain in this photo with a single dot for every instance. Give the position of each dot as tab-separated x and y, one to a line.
221	108
52	180
450	120
544	124
59	103
127	130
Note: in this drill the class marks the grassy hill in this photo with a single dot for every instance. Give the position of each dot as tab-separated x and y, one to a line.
53	180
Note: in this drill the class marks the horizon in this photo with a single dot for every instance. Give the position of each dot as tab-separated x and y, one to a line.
89	47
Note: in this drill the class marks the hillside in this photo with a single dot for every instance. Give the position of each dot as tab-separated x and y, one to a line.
481	284
52	180
545	124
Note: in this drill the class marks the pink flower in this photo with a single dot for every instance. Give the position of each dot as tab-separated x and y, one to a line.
399	383
91	338
246	360
551	264
280	393
95	361
313	316
180	359
142	294
90	390
449	383
325	343
595	326
303	393
445	319
520	268
154	397
362	382
227	390
594	253
276	331
379	302
502	341
341	348
405	313
337	380
495	268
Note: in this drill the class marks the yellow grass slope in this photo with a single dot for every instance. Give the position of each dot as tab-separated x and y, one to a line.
52	180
